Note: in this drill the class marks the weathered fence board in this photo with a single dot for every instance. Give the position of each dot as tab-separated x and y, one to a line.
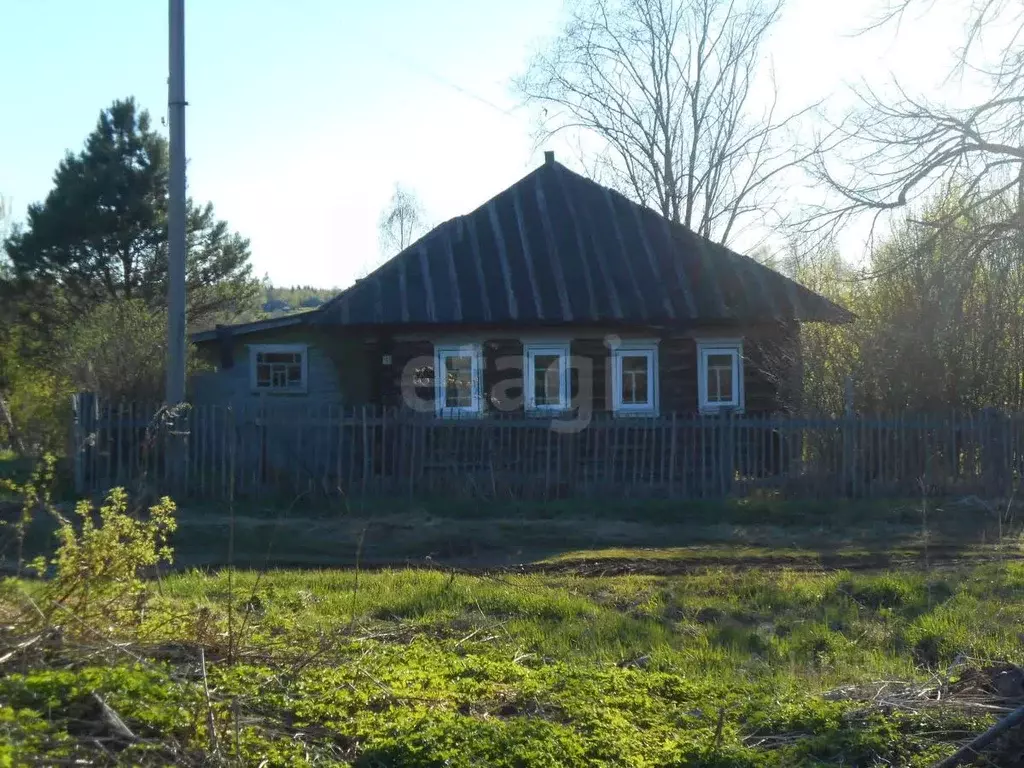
272	448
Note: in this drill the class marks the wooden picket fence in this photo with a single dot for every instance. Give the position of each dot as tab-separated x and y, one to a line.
282	449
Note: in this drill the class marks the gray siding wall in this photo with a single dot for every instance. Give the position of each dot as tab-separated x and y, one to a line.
276	441
232	385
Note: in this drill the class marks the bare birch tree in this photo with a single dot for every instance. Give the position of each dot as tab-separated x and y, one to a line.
666	88
892	152
401	223
6	218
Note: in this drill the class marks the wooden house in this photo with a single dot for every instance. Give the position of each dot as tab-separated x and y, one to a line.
557	297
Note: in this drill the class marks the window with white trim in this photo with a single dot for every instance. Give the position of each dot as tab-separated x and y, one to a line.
278	367
546	377
720	375
457	382
635	378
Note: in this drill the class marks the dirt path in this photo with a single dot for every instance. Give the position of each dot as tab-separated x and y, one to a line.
826	562
937	557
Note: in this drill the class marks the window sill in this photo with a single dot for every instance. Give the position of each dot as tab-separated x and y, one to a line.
276	392
450	414
720	410
548	411
639	413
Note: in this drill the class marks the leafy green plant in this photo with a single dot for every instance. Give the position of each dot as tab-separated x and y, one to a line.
99	566
35	493
35	397
118	350
416	668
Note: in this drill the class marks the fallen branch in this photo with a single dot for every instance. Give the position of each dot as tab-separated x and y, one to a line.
973	747
211	723
113	721
19	648
478	630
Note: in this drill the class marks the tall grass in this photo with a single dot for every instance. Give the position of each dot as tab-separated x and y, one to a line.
718	667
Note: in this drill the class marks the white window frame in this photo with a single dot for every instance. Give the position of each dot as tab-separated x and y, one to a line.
705	349
531	350
254	352
648	349
473	351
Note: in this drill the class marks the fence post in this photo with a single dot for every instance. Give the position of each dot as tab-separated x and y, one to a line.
672	458
81	407
118	444
994	454
366	452
93	440
853	455
727	452
848	466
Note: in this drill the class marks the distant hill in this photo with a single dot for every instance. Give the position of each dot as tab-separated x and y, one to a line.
277	301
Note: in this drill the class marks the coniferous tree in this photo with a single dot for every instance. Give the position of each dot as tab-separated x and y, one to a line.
101	233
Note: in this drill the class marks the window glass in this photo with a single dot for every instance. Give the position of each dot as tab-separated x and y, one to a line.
720	375
545	376
458	381
720	378
279	370
634	379
547	380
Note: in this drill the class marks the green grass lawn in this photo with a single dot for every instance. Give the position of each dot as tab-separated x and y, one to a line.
715	667
754	633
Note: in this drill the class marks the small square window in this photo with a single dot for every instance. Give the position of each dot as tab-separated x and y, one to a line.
278	368
635	378
458	383
546	377
720	368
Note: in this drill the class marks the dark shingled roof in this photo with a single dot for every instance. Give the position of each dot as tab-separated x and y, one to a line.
556	247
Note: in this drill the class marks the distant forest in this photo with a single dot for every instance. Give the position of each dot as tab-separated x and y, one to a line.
275	301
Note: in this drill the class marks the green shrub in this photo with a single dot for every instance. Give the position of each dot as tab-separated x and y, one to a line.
119	350
37	401
99	568
35	493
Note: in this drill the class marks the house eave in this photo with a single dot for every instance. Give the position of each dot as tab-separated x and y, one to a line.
258	326
837	317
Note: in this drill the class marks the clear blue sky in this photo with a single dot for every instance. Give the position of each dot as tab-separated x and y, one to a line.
303	115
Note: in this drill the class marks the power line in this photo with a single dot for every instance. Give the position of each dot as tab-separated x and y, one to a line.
430	74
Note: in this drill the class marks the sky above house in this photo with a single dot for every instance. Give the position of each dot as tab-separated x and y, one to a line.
304	115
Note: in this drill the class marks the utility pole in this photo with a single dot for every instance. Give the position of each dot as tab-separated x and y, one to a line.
176	208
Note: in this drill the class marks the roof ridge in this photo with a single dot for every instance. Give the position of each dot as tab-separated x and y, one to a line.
435	231
704	239
535	225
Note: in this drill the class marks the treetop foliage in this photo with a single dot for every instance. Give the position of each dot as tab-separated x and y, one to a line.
101	233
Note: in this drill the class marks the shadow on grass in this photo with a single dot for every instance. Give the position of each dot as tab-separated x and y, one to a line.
589	537
602	536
